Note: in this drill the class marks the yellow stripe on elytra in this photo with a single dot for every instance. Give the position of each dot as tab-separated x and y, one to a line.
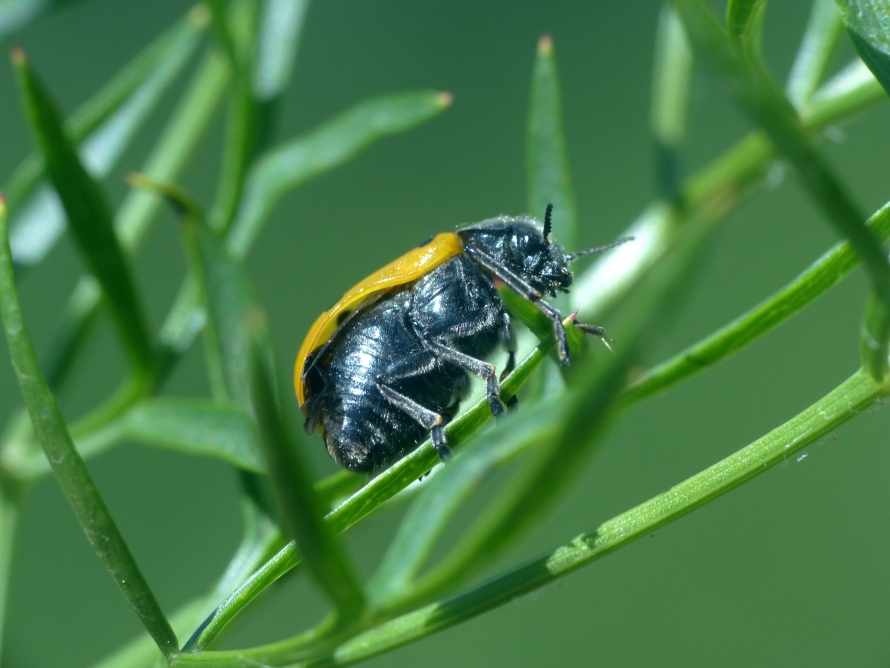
411	266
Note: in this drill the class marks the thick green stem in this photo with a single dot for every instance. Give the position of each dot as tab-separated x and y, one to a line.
846	401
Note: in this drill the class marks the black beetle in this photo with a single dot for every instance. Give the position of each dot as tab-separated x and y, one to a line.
388	364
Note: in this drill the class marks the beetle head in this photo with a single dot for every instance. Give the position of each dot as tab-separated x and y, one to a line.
524	248
520	246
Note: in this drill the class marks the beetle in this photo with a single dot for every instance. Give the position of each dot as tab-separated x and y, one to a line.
387	365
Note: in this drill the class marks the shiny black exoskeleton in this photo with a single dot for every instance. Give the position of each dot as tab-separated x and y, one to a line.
395	372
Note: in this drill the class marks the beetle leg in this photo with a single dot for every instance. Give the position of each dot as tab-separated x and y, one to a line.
484	370
597	331
510	345
526	291
428	419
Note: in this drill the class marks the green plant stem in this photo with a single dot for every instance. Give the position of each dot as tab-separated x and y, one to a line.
670	99
713	191
178	143
108	100
10	513
819	43
822	275
847	400
756	93
854	395
237	35
302	508
69	469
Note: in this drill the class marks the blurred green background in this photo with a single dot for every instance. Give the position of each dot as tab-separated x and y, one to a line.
791	569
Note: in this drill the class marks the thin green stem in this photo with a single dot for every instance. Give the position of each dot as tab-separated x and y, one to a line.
843	403
68	467
819	43
825	273
178	143
109	99
756	93
10	513
713	191
237	35
302	508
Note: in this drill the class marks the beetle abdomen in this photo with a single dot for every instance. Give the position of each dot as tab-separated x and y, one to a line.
389	345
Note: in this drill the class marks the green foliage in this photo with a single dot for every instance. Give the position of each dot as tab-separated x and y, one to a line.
242	423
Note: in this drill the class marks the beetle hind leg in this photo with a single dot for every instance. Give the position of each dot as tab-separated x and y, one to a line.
483	370
428	419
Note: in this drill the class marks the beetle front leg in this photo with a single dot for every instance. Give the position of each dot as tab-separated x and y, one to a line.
526	291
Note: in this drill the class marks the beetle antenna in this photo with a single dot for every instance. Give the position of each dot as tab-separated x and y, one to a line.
598	249
548	224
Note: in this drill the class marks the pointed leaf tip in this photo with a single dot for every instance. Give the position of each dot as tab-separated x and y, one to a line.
200	15
545	44
2	204
445	99
18	56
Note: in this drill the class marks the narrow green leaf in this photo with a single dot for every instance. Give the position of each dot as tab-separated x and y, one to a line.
868	22
237	35
826	415
107	101
280	30
758	95
290	165
744	21
301	506
226	290
819	44
88	217
178	142
104	127
547	160
230	300
670	98
191	426
281	26
68	467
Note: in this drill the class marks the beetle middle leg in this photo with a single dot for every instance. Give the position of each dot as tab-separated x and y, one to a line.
428	419
483	370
